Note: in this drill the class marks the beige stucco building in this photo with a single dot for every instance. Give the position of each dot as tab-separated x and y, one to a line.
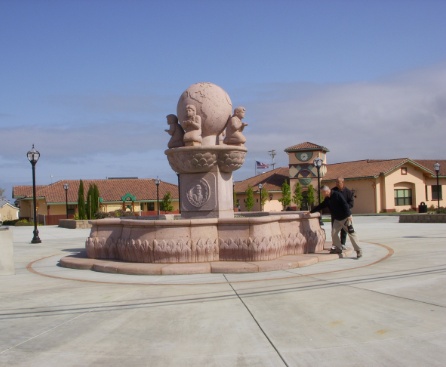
379	186
128	194
8	211
392	185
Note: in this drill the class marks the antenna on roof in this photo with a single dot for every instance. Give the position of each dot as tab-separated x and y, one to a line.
272	153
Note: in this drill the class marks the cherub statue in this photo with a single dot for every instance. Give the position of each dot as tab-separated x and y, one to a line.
175	131
234	128
192	127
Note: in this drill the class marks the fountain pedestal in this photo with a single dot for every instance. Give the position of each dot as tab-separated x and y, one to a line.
206	189
206	195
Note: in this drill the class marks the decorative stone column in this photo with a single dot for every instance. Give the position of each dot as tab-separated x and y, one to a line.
206	179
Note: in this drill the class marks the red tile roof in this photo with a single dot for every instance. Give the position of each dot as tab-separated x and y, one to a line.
110	190
369	168
271	180
362	169
372	168
429	164
305	147
24	191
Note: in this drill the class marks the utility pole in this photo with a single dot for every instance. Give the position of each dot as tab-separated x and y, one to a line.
272	153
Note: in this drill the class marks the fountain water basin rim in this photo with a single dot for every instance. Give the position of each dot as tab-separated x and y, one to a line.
258	238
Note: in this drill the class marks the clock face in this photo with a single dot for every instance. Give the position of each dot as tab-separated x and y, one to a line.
305	156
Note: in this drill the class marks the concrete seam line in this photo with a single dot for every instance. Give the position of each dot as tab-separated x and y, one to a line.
258	324
42	333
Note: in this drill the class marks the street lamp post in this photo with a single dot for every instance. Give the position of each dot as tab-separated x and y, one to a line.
260	188
157	183
33	156
65	186
437	171
318	164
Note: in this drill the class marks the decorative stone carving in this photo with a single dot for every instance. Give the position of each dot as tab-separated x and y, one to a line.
172	251
232	160
192	127
175	131
198	194
234	128
246	239
252	248
203	159
191	161
212	104
205	250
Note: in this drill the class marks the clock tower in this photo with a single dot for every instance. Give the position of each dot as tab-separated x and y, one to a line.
301	164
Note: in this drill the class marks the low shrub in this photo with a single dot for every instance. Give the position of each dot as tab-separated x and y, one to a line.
10	222
24	222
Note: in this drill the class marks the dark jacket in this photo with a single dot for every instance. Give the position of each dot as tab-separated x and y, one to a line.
337	204
348	195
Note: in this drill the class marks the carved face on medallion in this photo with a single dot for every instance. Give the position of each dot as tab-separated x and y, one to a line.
198	194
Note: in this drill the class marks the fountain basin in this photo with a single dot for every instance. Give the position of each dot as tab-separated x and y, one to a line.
202	159
203	240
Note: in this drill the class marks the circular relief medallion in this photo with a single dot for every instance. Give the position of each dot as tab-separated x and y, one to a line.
198	194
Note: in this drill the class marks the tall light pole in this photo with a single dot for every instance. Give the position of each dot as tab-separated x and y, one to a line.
437	171
65	187
260	188
318	164
157	183
33	156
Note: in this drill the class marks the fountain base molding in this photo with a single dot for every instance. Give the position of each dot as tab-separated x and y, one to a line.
81	262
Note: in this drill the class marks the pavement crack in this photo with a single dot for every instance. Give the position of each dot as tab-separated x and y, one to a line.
257	322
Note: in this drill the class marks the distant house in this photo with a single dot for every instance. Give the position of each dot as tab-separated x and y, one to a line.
391	185
386	185
8	211
271	182
127	194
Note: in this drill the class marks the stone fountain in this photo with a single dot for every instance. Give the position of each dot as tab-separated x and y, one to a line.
206	146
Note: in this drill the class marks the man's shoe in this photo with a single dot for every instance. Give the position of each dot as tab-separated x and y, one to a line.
344	247
358	254
337	251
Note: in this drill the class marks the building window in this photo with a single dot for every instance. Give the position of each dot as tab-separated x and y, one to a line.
437	192
404	170
150	206
403	197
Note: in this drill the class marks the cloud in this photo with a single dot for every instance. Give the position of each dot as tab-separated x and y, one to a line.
76	142
394	117
404	116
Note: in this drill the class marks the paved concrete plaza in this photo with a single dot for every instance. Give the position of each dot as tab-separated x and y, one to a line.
385	309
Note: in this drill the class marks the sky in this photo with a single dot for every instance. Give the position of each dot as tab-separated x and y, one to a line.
90	82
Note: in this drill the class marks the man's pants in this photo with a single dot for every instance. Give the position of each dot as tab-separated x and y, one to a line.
343	236
336	228
343	233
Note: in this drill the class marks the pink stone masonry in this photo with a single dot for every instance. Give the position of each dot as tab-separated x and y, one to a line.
205	240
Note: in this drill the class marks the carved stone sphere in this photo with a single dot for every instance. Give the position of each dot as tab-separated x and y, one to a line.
212	104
